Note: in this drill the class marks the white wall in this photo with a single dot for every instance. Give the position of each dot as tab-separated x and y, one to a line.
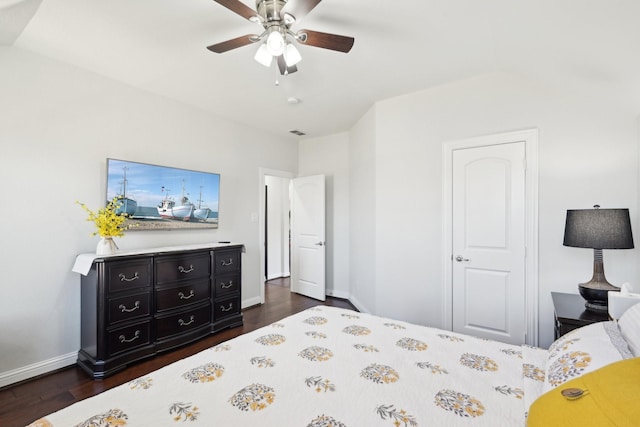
362	213
330	156
58	125
588	154
277	224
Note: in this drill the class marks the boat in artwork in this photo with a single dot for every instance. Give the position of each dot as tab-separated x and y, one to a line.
170	210
126	205
201	213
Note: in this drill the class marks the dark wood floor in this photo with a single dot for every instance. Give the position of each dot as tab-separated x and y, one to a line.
25	402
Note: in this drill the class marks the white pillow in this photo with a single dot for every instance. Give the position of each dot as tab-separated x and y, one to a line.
629	324
584	350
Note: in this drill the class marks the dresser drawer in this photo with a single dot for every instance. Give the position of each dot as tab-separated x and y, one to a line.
187	266
129	307
225	285
182	322
129	338
226	261
225	307
125	275
195	291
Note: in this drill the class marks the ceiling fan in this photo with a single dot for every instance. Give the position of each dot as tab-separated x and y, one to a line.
277	17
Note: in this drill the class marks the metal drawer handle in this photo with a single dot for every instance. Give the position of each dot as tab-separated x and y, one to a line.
225	286
181	269
226	309
183	323
124	278
182	296
136	335
124	308
226	263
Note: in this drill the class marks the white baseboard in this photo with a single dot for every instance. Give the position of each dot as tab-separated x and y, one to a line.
361	307
30	371
338	294
251	302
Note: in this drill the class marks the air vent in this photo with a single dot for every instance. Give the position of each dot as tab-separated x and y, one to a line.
297	132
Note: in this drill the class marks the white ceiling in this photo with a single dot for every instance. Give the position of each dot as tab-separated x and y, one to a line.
401	46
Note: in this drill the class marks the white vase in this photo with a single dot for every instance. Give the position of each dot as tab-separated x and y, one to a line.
106	246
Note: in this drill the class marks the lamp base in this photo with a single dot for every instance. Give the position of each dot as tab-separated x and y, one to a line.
596	290
596	295
596	307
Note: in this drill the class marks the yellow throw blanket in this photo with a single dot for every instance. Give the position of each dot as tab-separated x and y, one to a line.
611	398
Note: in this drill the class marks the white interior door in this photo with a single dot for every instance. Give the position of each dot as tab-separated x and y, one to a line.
308	236
488	242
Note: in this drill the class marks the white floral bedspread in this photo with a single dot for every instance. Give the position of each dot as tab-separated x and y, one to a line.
328	367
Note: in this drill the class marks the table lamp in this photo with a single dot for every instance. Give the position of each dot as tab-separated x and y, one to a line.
598	229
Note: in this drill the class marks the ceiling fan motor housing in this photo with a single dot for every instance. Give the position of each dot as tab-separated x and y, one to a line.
269	10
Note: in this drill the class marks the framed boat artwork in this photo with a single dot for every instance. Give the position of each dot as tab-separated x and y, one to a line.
158	197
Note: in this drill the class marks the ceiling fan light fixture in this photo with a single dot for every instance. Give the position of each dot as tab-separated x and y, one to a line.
263	56
288	19
291	55
275	43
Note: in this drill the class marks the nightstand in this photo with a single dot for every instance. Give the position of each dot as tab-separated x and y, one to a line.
570	313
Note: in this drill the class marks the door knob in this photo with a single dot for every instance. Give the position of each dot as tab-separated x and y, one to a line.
460	259
320	244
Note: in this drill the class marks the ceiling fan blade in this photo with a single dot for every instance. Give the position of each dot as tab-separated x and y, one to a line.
282	66
233	43
325	40
240	8
298	8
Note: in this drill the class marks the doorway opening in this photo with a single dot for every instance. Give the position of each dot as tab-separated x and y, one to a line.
274	224
277	234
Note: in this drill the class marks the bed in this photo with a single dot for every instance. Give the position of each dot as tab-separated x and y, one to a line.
328	366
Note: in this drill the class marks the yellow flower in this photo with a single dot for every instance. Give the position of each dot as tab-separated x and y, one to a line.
107	221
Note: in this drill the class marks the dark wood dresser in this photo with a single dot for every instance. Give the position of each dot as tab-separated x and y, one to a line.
138	304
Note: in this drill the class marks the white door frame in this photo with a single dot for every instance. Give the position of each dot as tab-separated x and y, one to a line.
530	137
261	225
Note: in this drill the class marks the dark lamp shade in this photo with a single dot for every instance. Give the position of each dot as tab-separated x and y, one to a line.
598	229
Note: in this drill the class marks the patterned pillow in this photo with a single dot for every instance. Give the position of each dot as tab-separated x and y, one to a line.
629	324
584	350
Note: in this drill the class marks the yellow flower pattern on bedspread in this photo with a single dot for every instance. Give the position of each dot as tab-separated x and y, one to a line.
477	362
271	339
533	372
567	366
459	403
255	397
380	374
112	418
367	372
356	330
204	373
316	320
411	344
41	423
